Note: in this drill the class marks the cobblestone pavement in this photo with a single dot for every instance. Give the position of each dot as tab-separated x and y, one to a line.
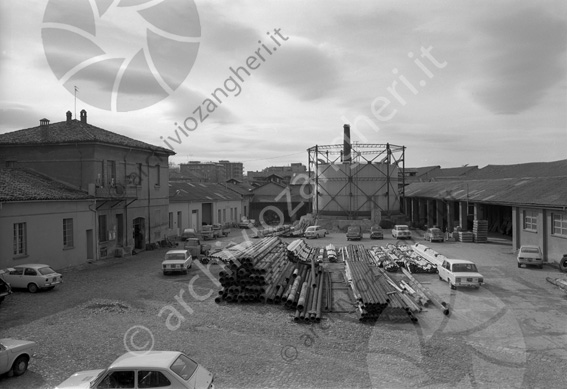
511	333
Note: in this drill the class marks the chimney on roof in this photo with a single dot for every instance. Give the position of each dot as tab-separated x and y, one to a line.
83	116
69	116
43	122
347	144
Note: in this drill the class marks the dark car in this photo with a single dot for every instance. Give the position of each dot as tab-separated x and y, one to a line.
433	234
5	289
376	232
354	233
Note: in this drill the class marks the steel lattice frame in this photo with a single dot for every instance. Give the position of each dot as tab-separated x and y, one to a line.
361	153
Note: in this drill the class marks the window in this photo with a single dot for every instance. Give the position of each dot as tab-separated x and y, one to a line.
152	379
102	231
20	241
224	215
67	233
184	367
139	174
111	172
559	224
30	272
219	216
530	221
171	220
118	379
158	175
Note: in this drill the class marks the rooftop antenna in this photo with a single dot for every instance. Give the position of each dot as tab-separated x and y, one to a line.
76	89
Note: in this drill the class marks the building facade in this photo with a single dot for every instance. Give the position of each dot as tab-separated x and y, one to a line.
127	179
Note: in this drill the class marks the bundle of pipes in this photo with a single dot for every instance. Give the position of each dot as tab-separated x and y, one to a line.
299	250
374	293
253	271
404	256
434	298
232	251
331	253
356	253
309	299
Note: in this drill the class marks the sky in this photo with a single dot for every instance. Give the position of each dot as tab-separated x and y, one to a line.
455	82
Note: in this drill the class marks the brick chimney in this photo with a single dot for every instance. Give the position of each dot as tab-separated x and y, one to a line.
83	116
43	122
69	116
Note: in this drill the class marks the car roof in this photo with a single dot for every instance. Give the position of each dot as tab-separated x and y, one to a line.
453	260
529	246
401	225
32	265
176	252
150	359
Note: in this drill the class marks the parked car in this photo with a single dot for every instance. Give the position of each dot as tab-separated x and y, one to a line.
177	261
247	223
217	230
5	289
315	232
196	248
207	232
401	231
32	277
530	255
376	232
171	369
354	233
15	355
188	233
460	272
434	234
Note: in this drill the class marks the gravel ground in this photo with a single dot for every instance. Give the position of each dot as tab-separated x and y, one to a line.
510	333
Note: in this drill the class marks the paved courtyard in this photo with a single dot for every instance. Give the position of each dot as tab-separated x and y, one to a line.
512	333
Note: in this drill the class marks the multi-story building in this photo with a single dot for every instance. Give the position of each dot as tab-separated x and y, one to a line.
126	178
286	173
217	172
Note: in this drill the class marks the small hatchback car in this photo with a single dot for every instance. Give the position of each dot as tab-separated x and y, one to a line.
434	234
530	255
315	232
376	232
401	231
32	277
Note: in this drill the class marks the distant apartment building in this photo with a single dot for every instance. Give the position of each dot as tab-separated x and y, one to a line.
217	172
126	181
286	173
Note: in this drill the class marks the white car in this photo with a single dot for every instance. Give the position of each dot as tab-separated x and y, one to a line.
401	231
32	277
15	355
460	272
315	232
177	261
153	369
530	255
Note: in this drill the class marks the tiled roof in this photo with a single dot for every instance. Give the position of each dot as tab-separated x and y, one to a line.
543	191
73	131
533	169
200	192
241	188
23	185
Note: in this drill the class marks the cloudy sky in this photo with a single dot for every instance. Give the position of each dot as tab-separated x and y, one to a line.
456	82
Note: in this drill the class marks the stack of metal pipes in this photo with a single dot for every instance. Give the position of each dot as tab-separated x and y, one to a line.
248	275
374	293
299	250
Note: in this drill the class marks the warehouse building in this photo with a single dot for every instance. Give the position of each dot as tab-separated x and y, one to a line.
528	202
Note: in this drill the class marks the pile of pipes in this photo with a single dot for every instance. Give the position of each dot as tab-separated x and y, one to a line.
377	295
251	272
405	257
263	272
355	252
381	259
298	251
331	253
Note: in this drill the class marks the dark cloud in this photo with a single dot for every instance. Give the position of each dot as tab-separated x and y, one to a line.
519	56
302	68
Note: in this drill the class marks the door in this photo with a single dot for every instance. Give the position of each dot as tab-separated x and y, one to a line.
119	230
180	222
90	244
195	220
139	227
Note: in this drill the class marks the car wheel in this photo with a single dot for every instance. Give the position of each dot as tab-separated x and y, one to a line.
453	287
20	365
2	299
519	265
32	288
164	272
563	264
440	277
50	287
541	266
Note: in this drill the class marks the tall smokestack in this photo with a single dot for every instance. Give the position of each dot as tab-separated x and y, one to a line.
347	144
